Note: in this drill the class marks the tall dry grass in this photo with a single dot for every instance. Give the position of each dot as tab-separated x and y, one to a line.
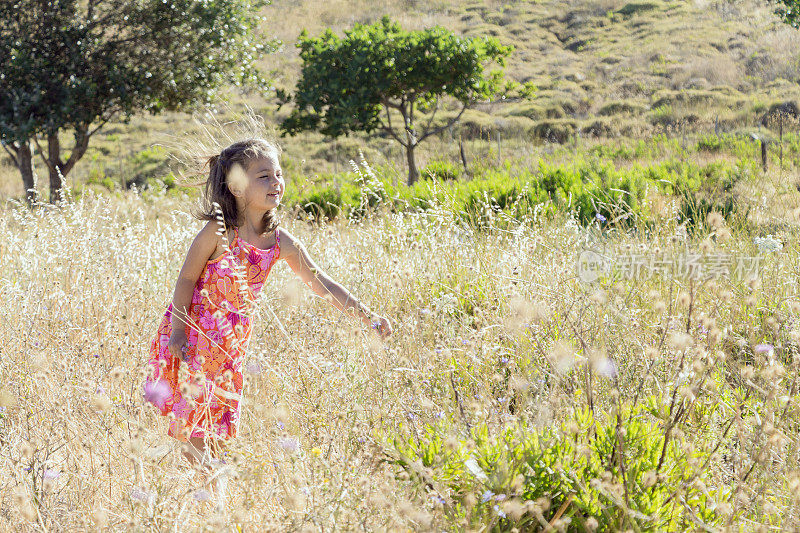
492	329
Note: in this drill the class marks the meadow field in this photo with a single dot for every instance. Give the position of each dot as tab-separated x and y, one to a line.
596	319
515	392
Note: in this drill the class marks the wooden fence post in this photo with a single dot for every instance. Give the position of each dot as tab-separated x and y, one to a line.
780	136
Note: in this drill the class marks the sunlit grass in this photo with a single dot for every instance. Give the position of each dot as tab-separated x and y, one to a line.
493	330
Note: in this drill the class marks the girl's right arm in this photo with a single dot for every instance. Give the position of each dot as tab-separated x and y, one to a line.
201	250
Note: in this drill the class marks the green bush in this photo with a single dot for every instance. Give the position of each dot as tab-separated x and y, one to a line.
587	188
554	130
442	170
607	469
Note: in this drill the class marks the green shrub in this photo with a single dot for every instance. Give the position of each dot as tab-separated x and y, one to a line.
607	469
587	188
442	170
623	106
710	143
635	8
555	130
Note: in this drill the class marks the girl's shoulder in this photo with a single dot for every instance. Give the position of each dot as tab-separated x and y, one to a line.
288	242
210	238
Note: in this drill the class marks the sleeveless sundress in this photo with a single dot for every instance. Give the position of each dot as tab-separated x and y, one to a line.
206	399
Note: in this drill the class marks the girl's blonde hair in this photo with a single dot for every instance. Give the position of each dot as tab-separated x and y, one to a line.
219	170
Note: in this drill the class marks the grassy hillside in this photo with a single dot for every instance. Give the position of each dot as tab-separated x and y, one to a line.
604	68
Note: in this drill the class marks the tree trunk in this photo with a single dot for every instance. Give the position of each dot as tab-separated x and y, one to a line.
54	166
413	173
25	165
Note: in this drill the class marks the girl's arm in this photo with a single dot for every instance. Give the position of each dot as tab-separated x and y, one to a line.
200	251
301	263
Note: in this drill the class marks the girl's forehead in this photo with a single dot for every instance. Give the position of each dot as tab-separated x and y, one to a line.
264	164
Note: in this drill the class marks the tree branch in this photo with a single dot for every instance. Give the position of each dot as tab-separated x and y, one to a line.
388	103
390	129
409	122
41	153
433	114
81	144
11	155
445	126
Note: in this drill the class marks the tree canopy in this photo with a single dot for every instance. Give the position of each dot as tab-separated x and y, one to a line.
70	66
789	12
380	77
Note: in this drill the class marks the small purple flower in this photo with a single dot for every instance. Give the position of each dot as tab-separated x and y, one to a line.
290	444
279	424
499	511
440	414
140	494
500	497
606	368
202	495
438	350
95	355
410	415
763	348
486	496
600	217
157	393
253	368
504	360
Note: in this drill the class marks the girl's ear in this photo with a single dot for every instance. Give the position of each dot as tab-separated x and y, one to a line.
236	180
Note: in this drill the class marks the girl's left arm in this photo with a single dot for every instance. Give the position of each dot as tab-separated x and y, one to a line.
301	263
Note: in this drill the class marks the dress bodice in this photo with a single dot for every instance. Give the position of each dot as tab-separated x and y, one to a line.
227	290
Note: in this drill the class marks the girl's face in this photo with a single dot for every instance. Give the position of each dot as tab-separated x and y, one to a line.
262	185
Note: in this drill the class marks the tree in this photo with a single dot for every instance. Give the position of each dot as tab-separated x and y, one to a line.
70	66
357	83
789	12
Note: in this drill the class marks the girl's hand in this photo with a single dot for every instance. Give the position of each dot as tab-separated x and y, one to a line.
177	345
382	326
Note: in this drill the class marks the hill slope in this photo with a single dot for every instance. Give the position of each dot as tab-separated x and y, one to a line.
603	68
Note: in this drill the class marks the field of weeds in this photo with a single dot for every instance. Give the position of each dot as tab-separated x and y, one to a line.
515	392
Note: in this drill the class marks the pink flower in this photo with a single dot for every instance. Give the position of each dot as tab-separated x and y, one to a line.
157	393
207	321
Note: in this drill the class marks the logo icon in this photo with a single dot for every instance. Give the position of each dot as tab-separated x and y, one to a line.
591	266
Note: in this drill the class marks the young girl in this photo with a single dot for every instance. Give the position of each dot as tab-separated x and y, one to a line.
208	323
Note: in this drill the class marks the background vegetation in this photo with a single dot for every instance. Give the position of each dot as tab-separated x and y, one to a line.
613	68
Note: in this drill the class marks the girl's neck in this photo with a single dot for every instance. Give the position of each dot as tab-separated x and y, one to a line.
252	222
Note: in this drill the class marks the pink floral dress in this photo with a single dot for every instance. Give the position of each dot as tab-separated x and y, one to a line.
206	399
